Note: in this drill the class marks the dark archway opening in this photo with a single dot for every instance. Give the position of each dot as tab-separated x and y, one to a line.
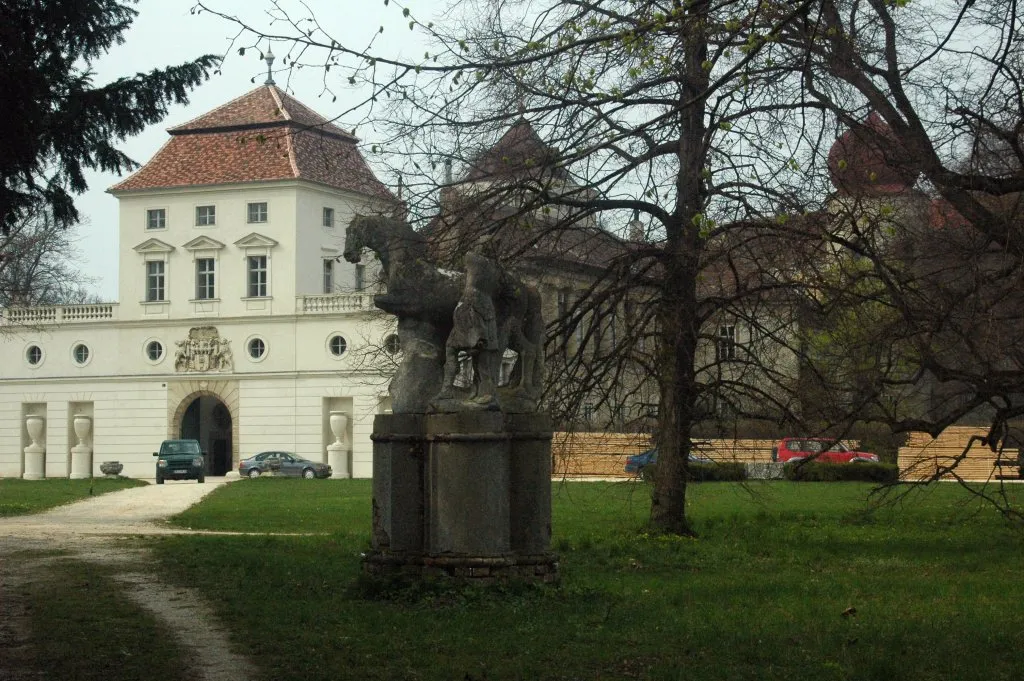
208	420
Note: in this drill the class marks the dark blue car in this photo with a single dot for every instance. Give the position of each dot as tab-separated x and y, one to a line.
637	463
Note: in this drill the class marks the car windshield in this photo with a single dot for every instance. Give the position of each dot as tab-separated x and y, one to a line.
182	447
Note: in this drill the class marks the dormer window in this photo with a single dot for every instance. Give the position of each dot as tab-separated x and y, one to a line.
257	212
156	218
206	216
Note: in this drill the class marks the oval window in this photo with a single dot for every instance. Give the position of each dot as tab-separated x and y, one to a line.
81	353
257	348
34	355
154	350
338	345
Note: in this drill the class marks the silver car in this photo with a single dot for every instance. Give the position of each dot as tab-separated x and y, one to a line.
282	463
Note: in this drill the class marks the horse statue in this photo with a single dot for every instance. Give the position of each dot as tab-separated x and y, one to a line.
425	298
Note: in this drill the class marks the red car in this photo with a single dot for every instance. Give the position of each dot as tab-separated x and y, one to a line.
822	449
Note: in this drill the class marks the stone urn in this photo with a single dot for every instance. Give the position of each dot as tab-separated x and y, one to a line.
111	469
337	451
81	454
35	453
83	426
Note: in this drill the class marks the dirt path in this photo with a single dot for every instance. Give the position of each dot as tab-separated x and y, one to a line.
93	530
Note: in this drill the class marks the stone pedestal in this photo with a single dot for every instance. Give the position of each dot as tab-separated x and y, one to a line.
81	454
399	456
35	453
468	484
529	482
337	451
464	495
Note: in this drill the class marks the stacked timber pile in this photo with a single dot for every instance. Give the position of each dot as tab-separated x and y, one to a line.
604	454
740	451
578	454
924	456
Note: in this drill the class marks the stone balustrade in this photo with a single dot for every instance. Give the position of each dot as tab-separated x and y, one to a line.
58	314
332	303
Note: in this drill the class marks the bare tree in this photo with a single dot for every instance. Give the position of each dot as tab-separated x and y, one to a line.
940	263
706	127
37	265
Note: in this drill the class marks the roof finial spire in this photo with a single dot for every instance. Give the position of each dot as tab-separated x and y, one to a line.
269	58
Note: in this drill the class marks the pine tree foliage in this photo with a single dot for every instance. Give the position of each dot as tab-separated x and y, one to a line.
57	122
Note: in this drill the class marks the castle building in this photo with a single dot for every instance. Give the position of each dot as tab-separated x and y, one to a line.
238	323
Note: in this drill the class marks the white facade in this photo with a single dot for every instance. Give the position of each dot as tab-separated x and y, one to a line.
245	361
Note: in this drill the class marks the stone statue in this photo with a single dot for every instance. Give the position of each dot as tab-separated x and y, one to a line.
474	332
430	303
461	474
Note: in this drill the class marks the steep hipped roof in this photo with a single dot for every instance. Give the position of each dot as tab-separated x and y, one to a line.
519	150
260	136
867	161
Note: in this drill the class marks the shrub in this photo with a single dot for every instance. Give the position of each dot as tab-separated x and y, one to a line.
705	472
812	471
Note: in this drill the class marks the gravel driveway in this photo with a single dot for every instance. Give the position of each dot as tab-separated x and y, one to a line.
89	530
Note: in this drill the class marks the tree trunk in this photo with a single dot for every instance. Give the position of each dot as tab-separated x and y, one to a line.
677	382
680	323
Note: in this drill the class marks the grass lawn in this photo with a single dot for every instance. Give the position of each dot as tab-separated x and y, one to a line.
786	581
18	497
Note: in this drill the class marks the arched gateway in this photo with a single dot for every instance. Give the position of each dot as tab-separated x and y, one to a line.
206	411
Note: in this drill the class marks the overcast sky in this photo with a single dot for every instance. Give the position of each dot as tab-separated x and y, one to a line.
164	33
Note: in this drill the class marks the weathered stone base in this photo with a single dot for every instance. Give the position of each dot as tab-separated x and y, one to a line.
473	569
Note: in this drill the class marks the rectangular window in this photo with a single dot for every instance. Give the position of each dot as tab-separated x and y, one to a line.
257	212
205	279
154	281
206	216
612	323
725	343
257	276
360	281
328	217
328	276
562	299
156	218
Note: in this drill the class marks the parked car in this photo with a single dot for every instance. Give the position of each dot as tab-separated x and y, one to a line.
180	460
638	463
282	463
823	449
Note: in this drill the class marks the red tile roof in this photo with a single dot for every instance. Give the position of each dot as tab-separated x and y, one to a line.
519	150
262	135
868	161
